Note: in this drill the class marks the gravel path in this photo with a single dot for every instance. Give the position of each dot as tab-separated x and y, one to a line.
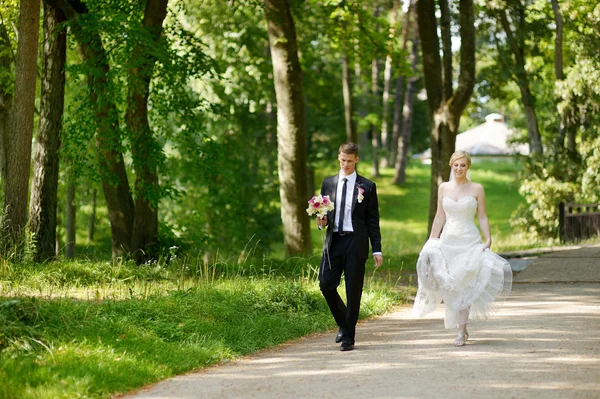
544	343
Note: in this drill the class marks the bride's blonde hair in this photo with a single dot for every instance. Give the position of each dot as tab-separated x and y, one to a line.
459	155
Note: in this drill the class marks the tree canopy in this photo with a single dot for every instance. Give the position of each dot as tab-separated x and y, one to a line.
177	115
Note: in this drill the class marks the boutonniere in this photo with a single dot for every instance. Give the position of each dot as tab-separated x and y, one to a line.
361	194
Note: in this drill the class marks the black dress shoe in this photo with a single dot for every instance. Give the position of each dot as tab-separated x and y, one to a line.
346	347
338	337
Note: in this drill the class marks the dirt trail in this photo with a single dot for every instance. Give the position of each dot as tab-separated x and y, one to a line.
544	343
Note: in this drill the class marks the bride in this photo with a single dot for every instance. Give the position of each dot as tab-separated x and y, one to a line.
454	265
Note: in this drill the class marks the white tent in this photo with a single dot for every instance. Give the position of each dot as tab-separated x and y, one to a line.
491	138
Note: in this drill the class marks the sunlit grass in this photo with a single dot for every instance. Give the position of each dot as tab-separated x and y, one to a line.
83	329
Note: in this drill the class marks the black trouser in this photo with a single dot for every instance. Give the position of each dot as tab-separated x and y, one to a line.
343	258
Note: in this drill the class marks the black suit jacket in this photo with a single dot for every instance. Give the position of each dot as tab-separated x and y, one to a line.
365	214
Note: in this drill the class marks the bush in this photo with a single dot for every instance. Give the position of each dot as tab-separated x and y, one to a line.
558	177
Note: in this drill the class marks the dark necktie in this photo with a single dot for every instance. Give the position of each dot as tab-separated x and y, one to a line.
343	206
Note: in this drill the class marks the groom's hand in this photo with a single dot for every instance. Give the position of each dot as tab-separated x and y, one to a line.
322	222
378	260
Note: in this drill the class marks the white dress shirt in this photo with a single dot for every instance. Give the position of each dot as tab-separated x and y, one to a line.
338	202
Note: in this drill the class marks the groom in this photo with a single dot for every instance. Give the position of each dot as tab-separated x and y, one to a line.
353	222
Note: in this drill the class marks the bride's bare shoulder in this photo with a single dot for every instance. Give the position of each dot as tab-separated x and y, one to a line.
478	188
444	186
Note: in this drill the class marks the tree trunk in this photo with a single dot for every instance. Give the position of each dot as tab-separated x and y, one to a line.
361	102
6	61
445	108
558	69
348	101
59	245
145	151
397	118
374	130
71	215
42	207
558	41
20	124
92	225
535	144
310	170
445	30
290	126
271	137
375	134
386	136
408	112
108	136
527	98
571	139
399	92
108	142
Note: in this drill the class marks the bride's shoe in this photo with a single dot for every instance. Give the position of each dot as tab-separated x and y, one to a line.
461	338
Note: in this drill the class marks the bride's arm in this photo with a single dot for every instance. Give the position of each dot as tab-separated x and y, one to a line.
440	217
484	223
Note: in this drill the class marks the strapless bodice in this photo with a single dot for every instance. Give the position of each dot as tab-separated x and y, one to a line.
459	217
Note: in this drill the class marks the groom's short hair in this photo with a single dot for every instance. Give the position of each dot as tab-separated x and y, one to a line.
348	148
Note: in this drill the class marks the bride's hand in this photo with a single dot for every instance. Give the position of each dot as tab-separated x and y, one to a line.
488	244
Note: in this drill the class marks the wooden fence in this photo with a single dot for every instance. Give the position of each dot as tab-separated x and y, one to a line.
578	221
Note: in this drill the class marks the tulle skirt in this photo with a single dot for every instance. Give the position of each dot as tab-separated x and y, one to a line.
465	277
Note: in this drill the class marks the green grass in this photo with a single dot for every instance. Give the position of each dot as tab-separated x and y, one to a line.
94	330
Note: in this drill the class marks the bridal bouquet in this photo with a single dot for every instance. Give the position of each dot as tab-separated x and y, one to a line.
319	205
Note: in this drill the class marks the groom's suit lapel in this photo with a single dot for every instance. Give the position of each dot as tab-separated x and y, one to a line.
355	192
334	193
334	181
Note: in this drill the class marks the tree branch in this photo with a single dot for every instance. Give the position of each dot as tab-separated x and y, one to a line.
432	65
466	79
445	22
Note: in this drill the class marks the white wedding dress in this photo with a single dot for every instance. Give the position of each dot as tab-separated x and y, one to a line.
456	269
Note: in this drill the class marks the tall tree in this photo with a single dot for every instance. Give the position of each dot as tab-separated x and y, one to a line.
70	217
566	127
146	152
291	133
399	94
92	223
374	128
516	41
386	133
42	207
446	104
108	133
6	94
408	111
374	107
348	100
20	123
